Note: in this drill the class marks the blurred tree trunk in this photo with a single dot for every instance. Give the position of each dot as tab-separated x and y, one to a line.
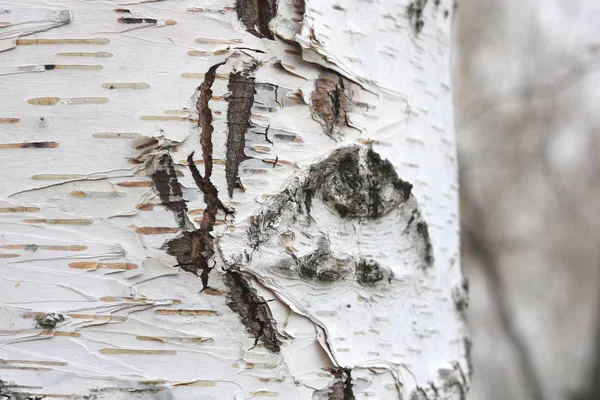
229	201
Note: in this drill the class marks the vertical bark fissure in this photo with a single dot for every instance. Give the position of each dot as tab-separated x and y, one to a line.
253	310
241	98
193	250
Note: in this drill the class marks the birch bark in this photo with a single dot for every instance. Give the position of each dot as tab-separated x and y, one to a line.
214	200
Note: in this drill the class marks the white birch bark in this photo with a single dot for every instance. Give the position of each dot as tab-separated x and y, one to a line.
309	248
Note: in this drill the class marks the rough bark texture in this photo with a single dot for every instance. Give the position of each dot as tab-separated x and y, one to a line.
326	272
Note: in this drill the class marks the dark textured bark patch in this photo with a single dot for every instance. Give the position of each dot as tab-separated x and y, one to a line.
368	272
331	101
252	309
342	385
49	321
241	98
169	190
353	183
356	190
415	15
256	15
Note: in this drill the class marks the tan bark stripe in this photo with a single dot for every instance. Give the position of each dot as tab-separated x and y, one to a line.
197	383
209	313
59	221
94	265
200	53
10	120
163	118
9	255
98	54
18	209
56	177
29	145
126	85
81	316
24	368
155	230
200	75
78	66
201	9
27	362
29	42
136	184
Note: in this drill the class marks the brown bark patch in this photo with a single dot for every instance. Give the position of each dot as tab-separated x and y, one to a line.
331	101
252	309
241	99
256	15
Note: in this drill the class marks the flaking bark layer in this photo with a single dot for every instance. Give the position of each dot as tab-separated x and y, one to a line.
241	98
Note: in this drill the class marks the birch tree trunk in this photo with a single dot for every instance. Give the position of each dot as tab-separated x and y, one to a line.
217	200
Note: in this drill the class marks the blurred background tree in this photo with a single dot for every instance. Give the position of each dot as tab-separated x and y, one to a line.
526	87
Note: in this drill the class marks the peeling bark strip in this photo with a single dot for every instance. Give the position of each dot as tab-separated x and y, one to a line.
241	98
205	118
415	14
331	101
252	308
193	250
256	15
169	189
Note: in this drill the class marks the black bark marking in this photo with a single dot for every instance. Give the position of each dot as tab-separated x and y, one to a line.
256	15
49	321
319	266
460	297
252	309
331	101
241	98
49	67
169	190
368	272
341	389
131	20
195	249
354	190
423	230
415	15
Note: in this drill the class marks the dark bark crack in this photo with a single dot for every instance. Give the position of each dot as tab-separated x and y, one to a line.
169	190
252	309
195	249
341	389
241	99
256	15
